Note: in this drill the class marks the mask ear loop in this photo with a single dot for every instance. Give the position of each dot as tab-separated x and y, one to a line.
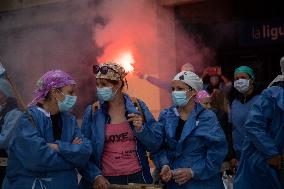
251	82
191	95
62	94
115	91
126	83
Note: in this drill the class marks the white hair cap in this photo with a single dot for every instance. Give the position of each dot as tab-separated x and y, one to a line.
190	79
279	78
282	65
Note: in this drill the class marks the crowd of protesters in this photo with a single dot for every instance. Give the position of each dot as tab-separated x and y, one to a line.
203	140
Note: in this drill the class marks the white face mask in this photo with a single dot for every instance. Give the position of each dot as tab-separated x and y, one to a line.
242	85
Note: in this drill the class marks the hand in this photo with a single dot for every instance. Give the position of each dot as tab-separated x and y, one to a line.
166	173
100	183
182	175
137	121
275	161
77	140
219	71
55	147
233	165
139	75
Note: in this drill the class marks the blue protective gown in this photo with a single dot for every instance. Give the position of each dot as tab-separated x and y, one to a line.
265	139
8	128
238	115
7	135
202	147
32	164
93	126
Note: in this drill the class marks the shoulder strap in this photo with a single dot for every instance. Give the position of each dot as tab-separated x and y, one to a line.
138	107
95	106
30	118
199	113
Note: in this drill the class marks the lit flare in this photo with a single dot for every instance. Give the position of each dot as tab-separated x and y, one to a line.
126	60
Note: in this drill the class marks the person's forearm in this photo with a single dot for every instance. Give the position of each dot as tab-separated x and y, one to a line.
159	83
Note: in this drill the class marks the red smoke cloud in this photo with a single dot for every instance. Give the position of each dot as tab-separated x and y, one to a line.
138	27
129	35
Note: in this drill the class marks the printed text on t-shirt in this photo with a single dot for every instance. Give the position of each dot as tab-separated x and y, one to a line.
122	137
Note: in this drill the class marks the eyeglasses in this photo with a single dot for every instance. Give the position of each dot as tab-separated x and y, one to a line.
103	69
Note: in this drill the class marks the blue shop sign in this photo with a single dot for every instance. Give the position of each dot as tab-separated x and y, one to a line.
262	33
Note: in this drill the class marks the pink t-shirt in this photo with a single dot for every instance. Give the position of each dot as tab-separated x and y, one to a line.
119	156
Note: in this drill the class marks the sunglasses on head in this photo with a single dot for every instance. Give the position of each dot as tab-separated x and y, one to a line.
103	69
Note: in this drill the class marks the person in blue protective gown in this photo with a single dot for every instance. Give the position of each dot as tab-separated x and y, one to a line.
9	114
246	94
122	130
194	145
262	156
48	146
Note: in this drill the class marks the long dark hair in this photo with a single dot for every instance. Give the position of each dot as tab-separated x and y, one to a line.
219	100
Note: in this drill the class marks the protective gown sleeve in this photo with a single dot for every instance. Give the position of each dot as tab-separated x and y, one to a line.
151	134
86	123
33	151
77	154
159	83
8	128
91	170
160	157
257	125
215	144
